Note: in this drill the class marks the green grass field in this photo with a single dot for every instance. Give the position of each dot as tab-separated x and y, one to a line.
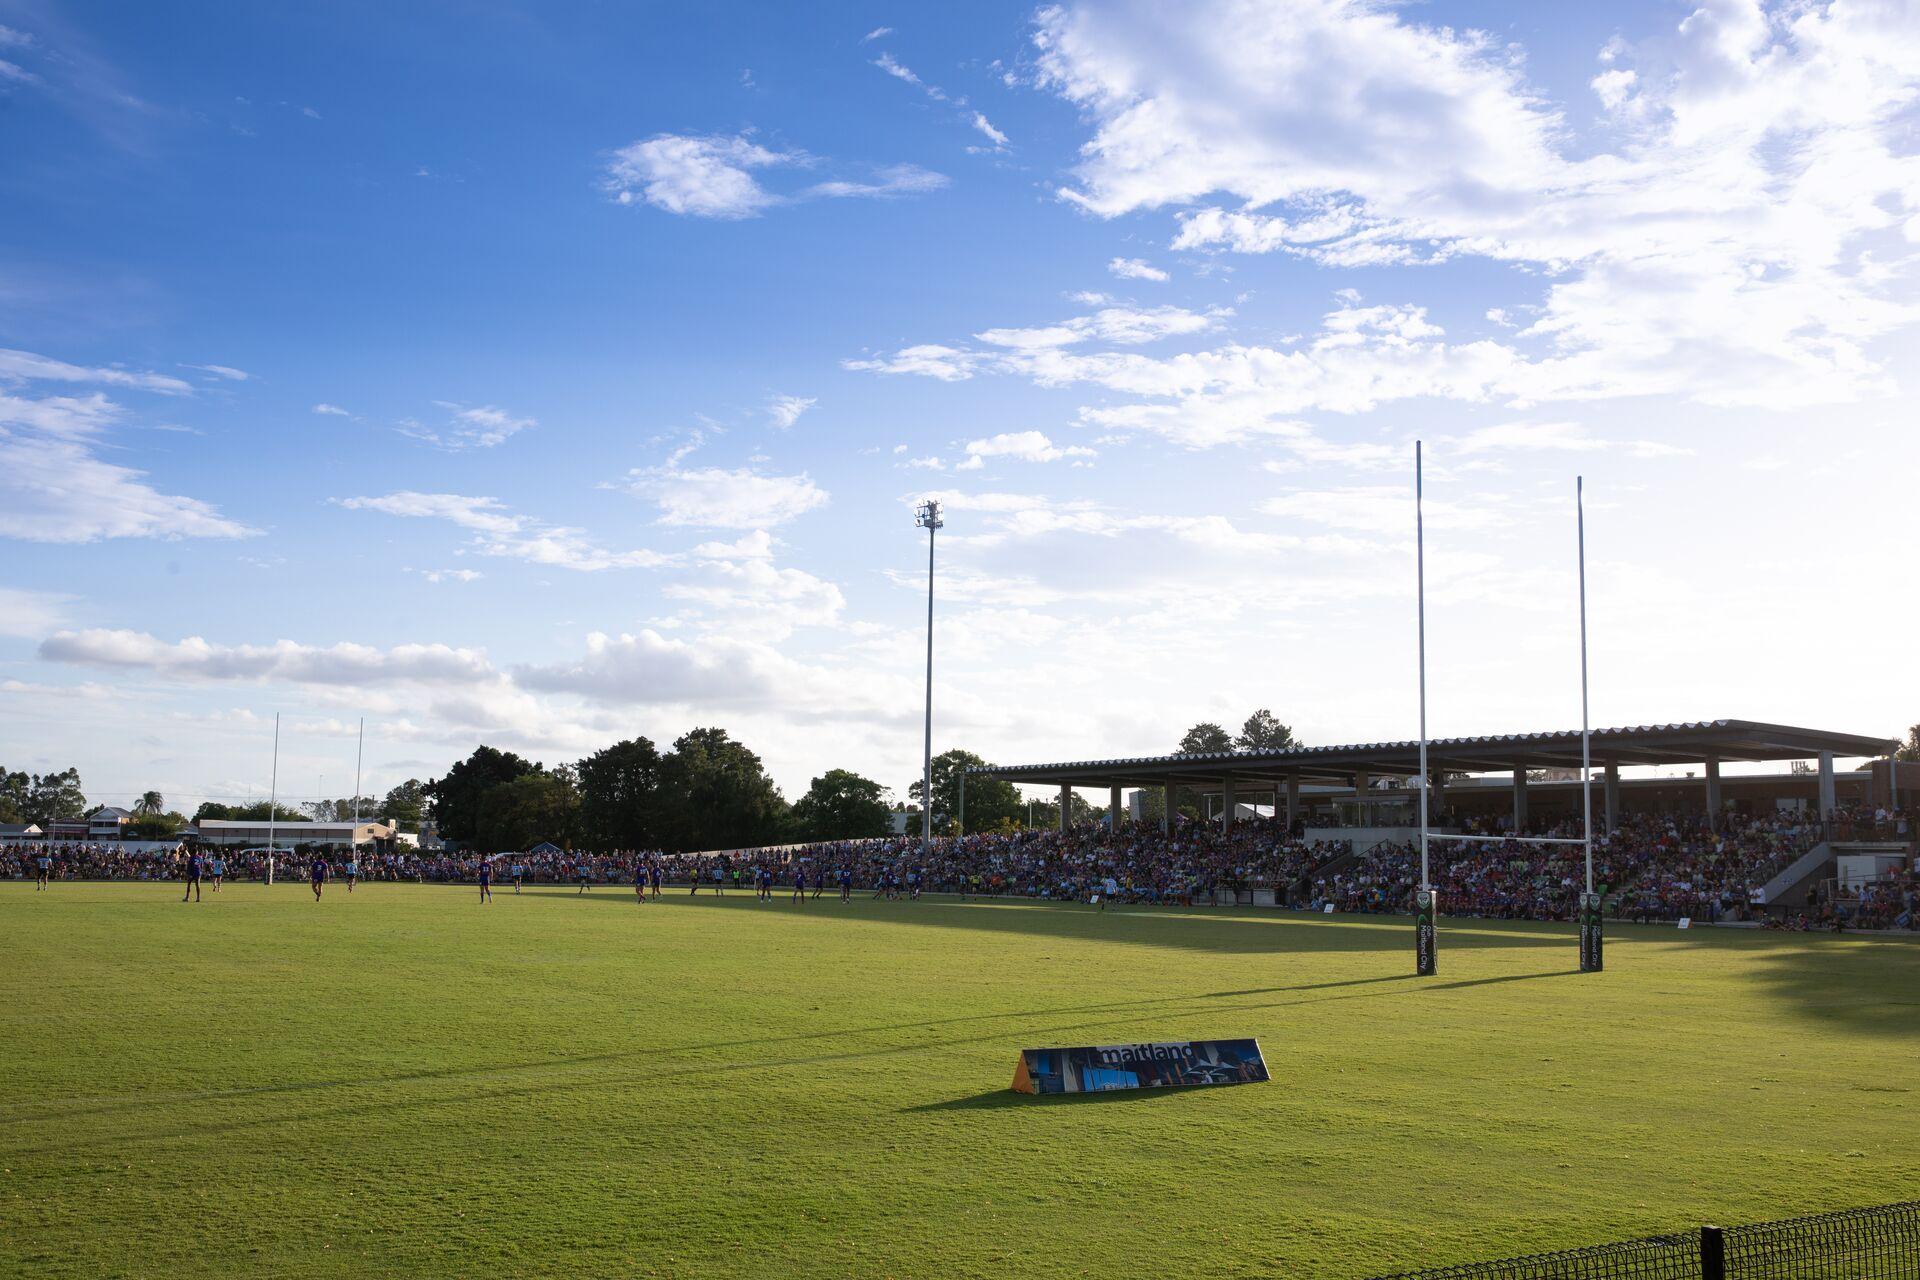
402	1082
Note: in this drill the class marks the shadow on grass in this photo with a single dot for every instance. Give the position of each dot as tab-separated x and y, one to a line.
1230	930
1868	985
1001	1099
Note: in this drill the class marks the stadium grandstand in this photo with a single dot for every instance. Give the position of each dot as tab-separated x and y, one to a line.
1513	779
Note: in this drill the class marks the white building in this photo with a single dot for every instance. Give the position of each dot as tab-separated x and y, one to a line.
107	822
251	832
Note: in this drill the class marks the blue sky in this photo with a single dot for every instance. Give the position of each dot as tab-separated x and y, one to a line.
543	375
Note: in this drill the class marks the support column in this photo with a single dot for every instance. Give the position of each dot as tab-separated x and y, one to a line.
1113	809
1169	792
1520	800
1827	802
1436	799
1066	805
1293	801
1610	788
1362	793
1227	801
1713	793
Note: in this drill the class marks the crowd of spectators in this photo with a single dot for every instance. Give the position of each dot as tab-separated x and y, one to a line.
1653	867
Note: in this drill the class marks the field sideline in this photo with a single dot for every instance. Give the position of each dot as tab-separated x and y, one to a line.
402	1082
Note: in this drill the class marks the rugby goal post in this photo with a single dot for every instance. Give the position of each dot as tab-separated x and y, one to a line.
1426	900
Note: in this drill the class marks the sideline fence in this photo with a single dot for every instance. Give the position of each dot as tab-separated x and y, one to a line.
1879	1243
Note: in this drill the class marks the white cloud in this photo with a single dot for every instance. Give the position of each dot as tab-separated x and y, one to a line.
57	491
705	177
784	411
753	596
1378	509
29	615
481	427
196	659
1545	437
1730	241
719	498
985	127
892	66
331	410
1135	269
55	488
449	575
712	176
892	180
25	365
223	371
875	34
757	545
1022	446
499	532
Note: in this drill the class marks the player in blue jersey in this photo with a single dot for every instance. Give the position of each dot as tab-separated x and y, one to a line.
486	881
584	870
217	868
845	875
193	878
519	873
913	883
799	882
352	871
43	866
653	877
317	875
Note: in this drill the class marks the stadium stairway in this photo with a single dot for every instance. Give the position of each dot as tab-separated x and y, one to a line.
1789	888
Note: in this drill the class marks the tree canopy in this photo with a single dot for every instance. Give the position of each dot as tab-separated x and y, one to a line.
456	797
620	796
1204	737
841	805
1263	732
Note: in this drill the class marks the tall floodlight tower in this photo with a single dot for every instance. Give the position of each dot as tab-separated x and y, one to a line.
927	516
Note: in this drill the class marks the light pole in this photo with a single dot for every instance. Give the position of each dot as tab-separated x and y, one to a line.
927	516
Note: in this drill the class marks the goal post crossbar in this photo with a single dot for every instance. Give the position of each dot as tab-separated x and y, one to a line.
1437	835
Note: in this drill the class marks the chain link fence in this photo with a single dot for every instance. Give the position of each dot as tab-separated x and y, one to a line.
1881	1243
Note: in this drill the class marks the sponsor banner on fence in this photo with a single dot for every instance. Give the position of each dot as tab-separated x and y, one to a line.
1167	1064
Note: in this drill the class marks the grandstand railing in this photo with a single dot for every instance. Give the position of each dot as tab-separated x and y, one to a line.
1879	1243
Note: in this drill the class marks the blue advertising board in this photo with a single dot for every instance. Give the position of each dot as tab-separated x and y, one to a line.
1162	1065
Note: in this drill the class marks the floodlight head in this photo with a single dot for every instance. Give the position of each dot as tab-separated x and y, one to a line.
927	515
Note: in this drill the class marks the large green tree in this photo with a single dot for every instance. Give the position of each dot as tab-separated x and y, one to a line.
1263	732
51	797
1910	750
842	805
620	796
1204	737
527	810
150	804
457	796
13	795
404	806
991	803
715	794
255	812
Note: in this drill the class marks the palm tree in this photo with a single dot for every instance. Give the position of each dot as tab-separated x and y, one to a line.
149	805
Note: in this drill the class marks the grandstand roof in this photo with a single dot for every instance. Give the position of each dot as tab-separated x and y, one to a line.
1690	743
